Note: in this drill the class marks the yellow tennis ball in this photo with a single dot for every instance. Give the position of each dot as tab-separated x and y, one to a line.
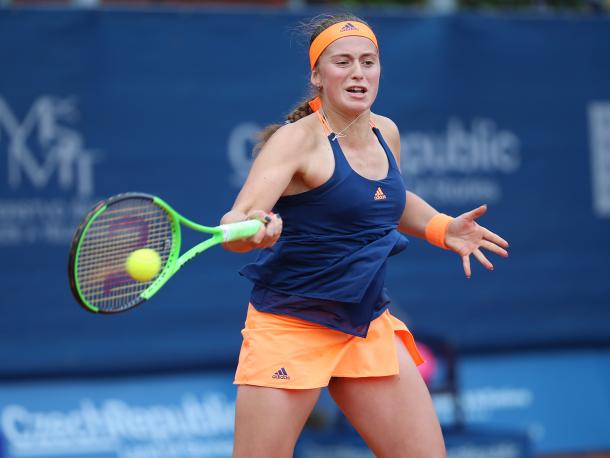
142	265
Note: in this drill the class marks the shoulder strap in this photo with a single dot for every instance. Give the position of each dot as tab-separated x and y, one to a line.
324	123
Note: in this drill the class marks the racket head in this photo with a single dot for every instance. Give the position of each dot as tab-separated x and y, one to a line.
112	230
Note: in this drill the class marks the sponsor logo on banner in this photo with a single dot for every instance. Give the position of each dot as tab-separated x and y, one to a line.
48	180
487	404
502	449
194	427
462	165
241	142
599	139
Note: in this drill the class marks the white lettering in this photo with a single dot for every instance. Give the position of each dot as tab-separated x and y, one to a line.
116	423
458	166
480	404
43	151
40	147
599	138
498	450
483	149
241	141
15	422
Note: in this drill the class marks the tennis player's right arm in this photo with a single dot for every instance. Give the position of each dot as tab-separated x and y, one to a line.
272	170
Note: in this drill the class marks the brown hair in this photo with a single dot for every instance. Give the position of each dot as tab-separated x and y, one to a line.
310	29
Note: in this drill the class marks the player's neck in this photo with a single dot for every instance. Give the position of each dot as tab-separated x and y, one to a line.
348	125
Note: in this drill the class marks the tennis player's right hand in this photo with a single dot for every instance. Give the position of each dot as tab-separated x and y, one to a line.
267	235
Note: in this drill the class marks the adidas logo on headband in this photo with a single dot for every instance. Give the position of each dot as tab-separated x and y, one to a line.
347	27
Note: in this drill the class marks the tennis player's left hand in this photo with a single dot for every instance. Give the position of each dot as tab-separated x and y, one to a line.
466	237
269	232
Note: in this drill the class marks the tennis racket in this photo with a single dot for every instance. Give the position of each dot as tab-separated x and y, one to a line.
118	226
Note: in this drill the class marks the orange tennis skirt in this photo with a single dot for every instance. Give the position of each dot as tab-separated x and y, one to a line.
281	351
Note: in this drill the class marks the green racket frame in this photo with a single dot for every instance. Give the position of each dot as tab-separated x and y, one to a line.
175	261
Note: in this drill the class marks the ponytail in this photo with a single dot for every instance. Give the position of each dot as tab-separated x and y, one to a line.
300	111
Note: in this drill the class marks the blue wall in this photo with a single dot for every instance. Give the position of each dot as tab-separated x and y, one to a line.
513	112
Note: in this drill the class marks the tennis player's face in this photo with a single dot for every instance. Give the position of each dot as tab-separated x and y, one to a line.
348	73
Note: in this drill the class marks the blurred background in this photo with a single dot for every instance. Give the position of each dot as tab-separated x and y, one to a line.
504	102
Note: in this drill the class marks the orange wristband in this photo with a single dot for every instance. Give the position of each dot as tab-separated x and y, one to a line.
436	229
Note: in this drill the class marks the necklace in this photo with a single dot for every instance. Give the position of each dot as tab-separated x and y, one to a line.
340	133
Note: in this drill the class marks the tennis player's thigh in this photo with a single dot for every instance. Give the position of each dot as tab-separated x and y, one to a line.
394	415
268	421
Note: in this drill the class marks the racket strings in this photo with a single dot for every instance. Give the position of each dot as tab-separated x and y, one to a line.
105	282
90	253
122	228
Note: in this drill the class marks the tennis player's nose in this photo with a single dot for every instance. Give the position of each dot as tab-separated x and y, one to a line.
358	73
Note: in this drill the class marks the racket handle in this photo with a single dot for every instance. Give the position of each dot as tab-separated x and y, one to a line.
241	230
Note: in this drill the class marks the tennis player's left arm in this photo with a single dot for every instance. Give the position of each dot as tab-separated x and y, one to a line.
463	235
416	216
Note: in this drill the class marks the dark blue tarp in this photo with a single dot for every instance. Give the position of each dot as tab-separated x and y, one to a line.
513	112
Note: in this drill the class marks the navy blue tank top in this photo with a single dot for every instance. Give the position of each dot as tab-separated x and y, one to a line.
329	264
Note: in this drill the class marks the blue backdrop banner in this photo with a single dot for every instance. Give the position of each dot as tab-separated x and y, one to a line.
513	112
510	407
140	417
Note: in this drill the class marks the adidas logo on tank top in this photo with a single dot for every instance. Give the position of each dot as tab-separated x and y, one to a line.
379	195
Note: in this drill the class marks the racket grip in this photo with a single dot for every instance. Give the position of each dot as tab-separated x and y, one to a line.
241	230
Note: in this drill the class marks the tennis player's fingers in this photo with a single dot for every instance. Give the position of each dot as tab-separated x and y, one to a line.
269	232
278	225
495	238
482	259
466	265
262	232
494	248
273	230
476	213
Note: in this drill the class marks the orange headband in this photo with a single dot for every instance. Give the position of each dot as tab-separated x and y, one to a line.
336	31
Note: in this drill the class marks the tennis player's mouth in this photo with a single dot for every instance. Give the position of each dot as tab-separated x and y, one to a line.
357	89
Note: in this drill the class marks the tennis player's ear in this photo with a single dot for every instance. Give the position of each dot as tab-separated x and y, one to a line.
315	78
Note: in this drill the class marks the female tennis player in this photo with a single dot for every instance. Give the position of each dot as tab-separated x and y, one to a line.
318	313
